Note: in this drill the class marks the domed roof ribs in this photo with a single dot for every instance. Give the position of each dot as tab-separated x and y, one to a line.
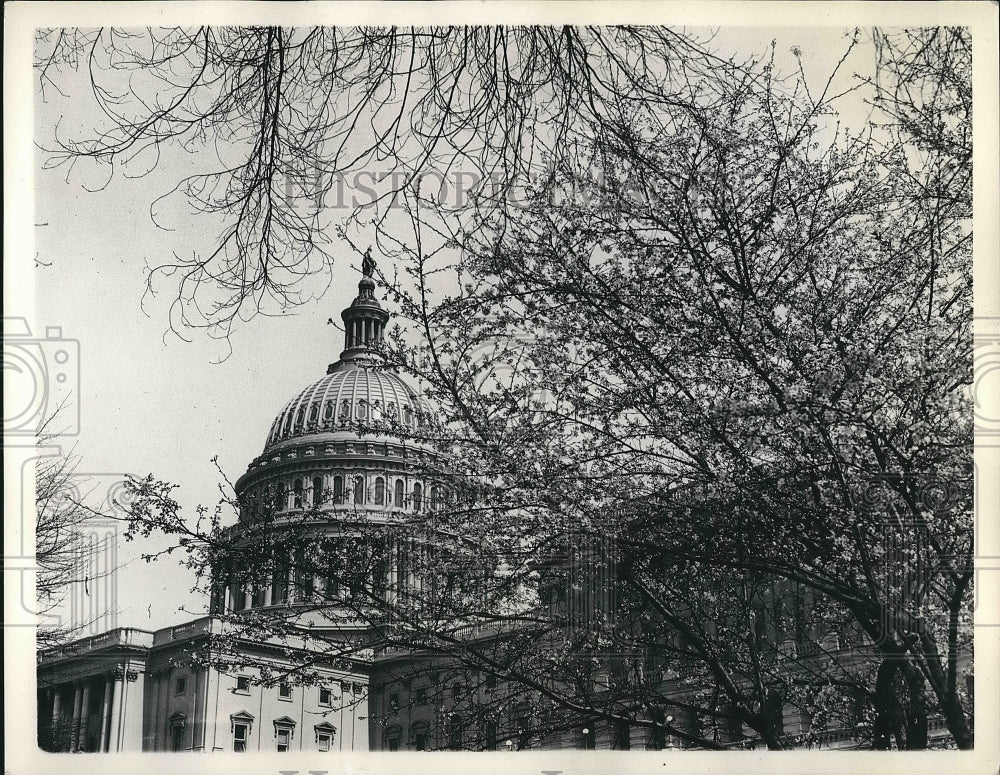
364	320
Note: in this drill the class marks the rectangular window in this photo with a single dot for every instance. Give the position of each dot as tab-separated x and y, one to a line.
242	684
180	685
394	702
177	737
359	688
240	734
421	695
345	687
325	696
323	741
284	691
283	736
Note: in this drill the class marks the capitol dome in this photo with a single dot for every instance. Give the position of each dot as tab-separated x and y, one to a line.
352	437
344	456
353	393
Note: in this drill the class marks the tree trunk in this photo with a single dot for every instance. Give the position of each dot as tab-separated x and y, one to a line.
885	704
947	696
916	708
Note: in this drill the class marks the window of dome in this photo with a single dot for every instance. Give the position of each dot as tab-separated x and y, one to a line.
279	585
362	410
338	489
299	415
407	415
288	425
297	494
313	414
317	491
359	490
379	491
435	497
345	412
328	411
398	494
417	492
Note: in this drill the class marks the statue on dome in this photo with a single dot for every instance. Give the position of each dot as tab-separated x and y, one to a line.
368	264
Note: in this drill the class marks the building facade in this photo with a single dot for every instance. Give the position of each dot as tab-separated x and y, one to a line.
135	690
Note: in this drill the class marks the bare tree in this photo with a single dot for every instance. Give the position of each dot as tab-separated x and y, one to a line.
277	121
741	352
62	548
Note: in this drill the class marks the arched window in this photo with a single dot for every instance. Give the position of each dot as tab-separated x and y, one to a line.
299	415
328	411
313	414
418	735
379	491
338	489
392	736
416	496
407	415
435	497
317	491
359	490
288	424
345	412
397	497
362	410
297	494
279	584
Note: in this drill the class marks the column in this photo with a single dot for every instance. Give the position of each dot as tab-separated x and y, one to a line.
56	707
105	714
198	719
84	715
116	711
160	679
74	735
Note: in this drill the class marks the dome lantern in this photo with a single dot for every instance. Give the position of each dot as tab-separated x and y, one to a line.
364	320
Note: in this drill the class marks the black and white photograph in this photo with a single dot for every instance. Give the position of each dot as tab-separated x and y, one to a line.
531	387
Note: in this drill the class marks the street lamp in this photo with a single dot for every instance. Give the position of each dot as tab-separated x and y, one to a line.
509	745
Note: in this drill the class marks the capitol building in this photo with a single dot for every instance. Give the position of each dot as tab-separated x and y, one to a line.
344	467
296	650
